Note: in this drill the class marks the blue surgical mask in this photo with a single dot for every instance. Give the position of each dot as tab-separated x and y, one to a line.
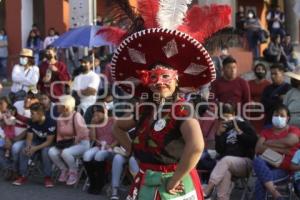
279	122
23	61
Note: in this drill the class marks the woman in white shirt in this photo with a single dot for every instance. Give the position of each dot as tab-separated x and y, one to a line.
52	36
25	75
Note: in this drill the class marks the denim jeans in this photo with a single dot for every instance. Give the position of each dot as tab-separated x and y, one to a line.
265	173
15	152
3	67
41	154
5	163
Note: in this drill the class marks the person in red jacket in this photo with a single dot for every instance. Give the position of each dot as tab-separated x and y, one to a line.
52	73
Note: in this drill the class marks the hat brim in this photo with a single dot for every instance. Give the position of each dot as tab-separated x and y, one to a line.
22	55
293	75
143	49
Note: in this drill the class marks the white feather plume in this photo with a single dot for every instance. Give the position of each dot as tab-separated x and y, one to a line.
171	13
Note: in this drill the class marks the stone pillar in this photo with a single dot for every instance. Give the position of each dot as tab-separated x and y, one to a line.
26	19
291	20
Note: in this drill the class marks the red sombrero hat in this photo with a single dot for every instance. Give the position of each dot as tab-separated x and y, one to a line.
143	49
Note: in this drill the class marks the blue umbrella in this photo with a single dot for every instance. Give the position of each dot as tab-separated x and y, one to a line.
84	36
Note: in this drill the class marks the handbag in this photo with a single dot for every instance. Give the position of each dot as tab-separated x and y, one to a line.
62	144
272	157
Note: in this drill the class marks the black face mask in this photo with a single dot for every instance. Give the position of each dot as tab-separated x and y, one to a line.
260	75
83	69
48	56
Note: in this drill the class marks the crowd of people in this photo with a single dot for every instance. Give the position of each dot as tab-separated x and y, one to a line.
55	117
280	49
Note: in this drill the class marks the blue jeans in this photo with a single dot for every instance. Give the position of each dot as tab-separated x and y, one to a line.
3	67
5	163
41	154
265	173
15	152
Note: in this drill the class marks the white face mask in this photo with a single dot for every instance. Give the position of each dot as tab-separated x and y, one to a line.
23	61
279	122
250	15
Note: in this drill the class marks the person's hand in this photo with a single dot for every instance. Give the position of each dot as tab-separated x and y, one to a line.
1	87
27	149
221	128
174	187
53	68
236	127
46	79
31	151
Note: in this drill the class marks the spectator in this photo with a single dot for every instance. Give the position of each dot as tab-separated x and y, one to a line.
240	20
291	99
257	87
34	42
50	107
3	55
275	53
36	29
71	142
94	158
276	19
274	93
40	136
23	116
52	36
85	85
230	88
25	76
53	71
281	138
289	50
295	166
253	32
235	143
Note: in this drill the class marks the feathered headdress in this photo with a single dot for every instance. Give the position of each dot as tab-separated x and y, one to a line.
202	23
166	31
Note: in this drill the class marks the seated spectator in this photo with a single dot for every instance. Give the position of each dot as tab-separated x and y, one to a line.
230	88
274	93
94	158
253	32
235	143
275	53
281	138
3	55
276	19
9	121
72	140
35	43
50	107
295	166
292	97
85	85
257	87
52	72
25	76
22	118
40	136
289	51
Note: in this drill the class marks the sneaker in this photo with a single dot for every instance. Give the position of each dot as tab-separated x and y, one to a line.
48	182
73	176
114	197
63	177
20	180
